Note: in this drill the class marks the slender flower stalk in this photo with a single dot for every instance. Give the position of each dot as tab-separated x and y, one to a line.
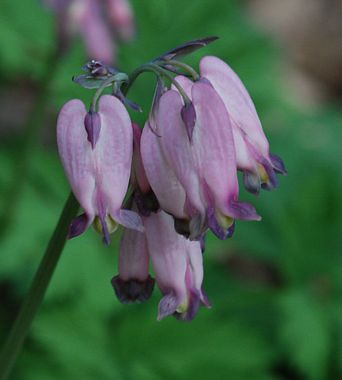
40	283
181	171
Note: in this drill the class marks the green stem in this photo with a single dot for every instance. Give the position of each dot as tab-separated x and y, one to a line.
183	66
99	91
158	71
166	74
119	78
134	75
38	289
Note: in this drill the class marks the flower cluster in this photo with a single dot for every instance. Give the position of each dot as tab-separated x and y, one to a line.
98	22
181	169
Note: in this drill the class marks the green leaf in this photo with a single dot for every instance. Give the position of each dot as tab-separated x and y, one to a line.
305	333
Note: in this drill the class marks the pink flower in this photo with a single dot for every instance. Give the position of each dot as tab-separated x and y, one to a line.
251	145
133	284
87	14
122	18
166	186
88	18
98	171
178	268
201	182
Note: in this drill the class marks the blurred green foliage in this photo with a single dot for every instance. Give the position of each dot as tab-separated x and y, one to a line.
276	287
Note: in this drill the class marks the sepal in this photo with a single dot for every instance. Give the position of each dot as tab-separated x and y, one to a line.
186	49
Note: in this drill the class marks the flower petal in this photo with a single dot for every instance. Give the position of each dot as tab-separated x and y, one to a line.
76	154
236	98
177	150
164	183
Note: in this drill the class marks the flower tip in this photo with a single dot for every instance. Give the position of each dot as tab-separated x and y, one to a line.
243	211
167	306
78	226
251	182
278	164
133	290
129	219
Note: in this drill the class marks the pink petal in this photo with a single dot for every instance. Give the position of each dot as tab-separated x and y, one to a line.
186	84
164	183
134	259
113	156
178	267
76	154
213	145
133	284
97	38
121	15
236	99
177	149
167	252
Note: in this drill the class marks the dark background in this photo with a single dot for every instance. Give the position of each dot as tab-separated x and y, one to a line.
275	286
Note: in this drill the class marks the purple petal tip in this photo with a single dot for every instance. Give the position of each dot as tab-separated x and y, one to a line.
188	114
105	232
243	210
193	306
133	290
78	226
167	306
278	164
215	227
146	203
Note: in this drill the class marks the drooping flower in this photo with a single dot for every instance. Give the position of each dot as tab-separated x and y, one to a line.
121	15
178	268
251	145
181	169
133	283
98	169
203	168
88	18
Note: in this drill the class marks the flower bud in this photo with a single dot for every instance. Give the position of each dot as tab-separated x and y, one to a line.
133	284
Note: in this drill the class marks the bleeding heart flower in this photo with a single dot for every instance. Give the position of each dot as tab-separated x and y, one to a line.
87	18
178	268
204	166
251	145
133	284
98	171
